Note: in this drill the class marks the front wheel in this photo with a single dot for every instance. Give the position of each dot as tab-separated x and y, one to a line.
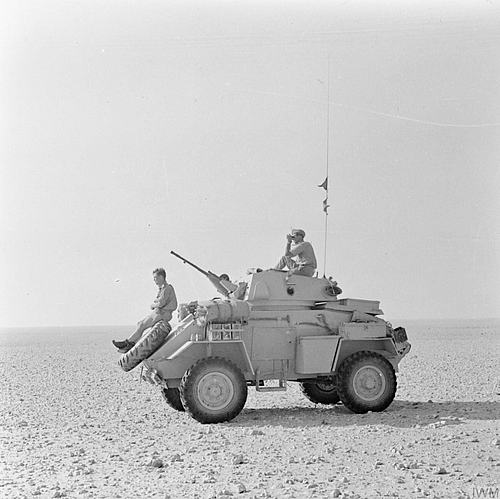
366	381
172	397
214	390
321	393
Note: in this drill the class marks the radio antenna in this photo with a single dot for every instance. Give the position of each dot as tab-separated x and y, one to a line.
325	183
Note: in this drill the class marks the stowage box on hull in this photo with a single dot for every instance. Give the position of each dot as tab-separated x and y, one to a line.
357	331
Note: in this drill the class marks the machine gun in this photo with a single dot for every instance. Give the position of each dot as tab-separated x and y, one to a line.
222	286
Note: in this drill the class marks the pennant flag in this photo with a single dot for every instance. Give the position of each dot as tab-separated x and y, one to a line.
326	206
324	184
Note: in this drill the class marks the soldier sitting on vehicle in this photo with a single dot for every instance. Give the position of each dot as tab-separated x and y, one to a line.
299	255
162	307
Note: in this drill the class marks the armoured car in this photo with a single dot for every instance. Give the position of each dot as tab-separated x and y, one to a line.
274	329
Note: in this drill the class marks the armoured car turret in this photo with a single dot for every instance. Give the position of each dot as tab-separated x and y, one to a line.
274	329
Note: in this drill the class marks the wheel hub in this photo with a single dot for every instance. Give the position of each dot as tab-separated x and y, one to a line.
369	383
327	387
215	391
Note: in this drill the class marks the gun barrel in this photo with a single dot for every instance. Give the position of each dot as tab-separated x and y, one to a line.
214	279
190	263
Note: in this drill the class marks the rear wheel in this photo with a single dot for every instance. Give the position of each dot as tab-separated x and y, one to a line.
214	390
173	398
321	393
366	381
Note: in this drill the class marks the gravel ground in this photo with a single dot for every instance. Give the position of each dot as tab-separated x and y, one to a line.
73	424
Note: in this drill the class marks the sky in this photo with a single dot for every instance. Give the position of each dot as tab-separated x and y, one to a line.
130	129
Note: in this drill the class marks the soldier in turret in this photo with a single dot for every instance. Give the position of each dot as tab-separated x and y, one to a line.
299	255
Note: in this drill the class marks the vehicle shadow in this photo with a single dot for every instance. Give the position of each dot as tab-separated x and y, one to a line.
400	414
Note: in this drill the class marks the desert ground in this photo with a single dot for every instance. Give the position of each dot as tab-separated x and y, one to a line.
73	424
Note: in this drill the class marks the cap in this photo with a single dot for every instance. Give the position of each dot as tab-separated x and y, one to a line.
299	232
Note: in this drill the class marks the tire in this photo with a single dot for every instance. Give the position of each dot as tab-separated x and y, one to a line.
321	393
366	381
173	398
214	390
146	346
